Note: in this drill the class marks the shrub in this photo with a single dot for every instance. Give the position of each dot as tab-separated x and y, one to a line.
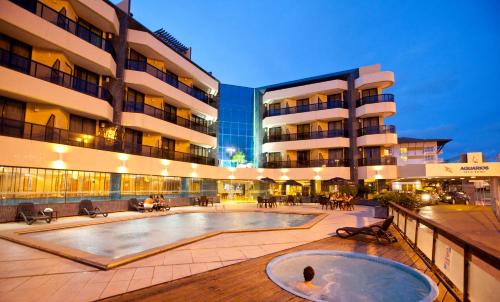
407	200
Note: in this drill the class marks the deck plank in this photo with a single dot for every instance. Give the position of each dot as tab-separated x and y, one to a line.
247	281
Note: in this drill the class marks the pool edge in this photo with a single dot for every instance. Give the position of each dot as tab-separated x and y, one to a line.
106	263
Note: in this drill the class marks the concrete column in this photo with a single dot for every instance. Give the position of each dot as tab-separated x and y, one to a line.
495	195
117	86
312	184
352	124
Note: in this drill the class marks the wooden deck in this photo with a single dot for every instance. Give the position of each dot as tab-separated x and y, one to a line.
247	281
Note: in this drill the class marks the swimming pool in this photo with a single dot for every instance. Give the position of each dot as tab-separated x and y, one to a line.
114	243
345	276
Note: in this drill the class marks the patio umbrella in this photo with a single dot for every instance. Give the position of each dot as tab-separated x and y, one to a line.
292	182
268	180
337	181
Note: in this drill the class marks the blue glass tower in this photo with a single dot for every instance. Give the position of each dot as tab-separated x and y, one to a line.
236	124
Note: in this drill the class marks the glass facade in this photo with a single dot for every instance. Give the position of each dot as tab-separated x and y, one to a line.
19	184
236	126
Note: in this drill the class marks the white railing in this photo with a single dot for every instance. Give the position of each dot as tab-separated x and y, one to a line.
469	270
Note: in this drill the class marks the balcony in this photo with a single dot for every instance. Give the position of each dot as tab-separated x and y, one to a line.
383	135
305	108
377	161
305	136
376	105
21	129
375	79
303	141
307	164
50	86
172	81
382	129
44	28
169	117
151	46
47	13
305	91
326	111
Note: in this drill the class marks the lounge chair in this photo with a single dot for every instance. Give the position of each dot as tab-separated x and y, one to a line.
260	202
380	230
135	205
27	212
86	208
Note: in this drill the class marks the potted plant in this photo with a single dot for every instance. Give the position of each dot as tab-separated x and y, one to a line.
382	207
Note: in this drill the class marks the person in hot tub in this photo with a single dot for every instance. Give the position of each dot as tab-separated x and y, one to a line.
308	286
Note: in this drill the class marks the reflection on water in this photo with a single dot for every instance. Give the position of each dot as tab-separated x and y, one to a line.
342	278
118	239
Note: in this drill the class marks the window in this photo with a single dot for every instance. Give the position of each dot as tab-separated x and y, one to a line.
369	92
12	116
80	124
274	109
303	158
430	157
135	101
334	100
274	134
133	137
337	153
429	149
372	152
371	122
303	131
170	112
167	143
302	105
274	157
137	61
66	186
20	57
198	120
89	33
86	81
198	151
336	125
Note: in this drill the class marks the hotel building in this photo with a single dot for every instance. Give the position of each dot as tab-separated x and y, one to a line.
95	105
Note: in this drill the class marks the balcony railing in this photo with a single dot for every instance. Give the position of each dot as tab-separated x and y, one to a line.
304	136
307	163
372	99
382	129
475	269
172	81
20	129
60	20
377	161
169	117
49	74
306	108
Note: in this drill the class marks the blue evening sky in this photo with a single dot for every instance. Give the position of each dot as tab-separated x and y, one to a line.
445	54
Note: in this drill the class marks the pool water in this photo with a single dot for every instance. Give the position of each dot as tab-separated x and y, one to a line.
119	239
343	276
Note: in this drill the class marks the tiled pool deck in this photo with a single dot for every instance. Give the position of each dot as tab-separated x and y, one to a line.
28	274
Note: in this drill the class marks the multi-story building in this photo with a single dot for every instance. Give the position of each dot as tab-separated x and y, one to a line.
335	121
89	97
419	151
95	105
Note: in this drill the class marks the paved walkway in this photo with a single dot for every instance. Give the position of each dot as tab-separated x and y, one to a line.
28	274
477	223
